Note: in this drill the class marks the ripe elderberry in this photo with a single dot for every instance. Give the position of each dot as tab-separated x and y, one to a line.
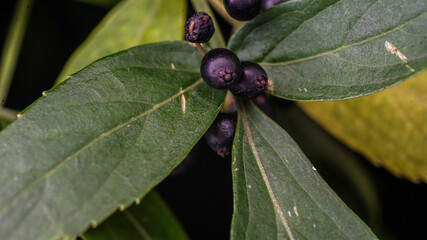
199	28
252	82
220	68
270	3
243	9
220	134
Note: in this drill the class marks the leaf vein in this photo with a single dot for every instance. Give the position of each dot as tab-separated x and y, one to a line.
94	141
285	63
276	205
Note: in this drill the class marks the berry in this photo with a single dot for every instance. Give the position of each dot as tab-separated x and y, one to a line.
220	134
199	28
270	3
220	68
252	82
264	104
243	9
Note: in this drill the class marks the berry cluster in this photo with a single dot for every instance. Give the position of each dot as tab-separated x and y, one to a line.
222	69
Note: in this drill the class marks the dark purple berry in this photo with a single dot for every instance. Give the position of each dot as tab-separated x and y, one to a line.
243	9
271	3
199	28
263	103
252	83
220	134
220	68
185	165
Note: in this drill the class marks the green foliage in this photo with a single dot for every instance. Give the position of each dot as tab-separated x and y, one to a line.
327	50
111	132
277	192
150	219
130	23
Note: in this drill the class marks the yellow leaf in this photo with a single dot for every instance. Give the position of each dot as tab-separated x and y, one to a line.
389	127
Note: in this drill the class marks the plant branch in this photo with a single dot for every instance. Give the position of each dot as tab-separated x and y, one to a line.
12	46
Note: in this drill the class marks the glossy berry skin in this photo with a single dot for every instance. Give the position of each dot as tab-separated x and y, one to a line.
252	83
199	28
220	68
220	134
271	3
243	10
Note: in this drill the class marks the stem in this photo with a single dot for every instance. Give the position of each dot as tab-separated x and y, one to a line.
228	102
12	46
219	8
217	39
200	48
8	114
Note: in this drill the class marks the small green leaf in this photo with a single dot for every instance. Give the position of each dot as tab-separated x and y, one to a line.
102	139
336	49
278	194
128	24
150	219
388	127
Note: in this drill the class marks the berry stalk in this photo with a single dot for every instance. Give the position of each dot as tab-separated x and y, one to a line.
200	48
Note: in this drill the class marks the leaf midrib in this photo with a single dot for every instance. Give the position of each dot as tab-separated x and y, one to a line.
94	141
286	63
273	198
301	186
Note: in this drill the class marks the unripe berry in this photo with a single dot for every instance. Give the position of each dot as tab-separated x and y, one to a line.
220	68
199	28
252	83
220	134
243	9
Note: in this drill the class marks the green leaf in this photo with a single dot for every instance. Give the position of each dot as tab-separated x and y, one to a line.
336	49
388	127
278	194
102	139
129	23
12	46
151	219
345	172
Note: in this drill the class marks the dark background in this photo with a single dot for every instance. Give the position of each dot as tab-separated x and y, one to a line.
200	191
